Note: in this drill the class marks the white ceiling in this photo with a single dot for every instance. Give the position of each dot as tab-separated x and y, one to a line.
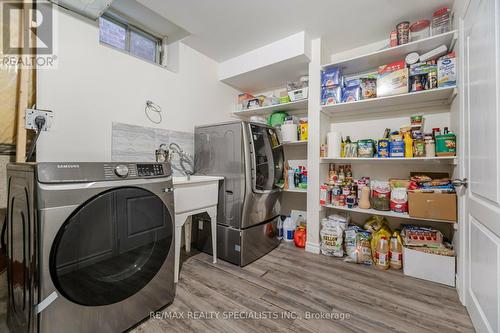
222	29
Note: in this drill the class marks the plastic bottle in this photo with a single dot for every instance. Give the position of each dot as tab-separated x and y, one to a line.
280	228
382	254
408	145
298	177
396	255
288	230
291	179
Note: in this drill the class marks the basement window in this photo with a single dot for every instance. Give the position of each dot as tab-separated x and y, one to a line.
128	38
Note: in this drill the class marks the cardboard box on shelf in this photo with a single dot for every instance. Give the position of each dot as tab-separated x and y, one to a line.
431	267
440	206
392	79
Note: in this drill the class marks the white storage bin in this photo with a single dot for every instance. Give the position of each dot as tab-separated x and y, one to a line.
432	267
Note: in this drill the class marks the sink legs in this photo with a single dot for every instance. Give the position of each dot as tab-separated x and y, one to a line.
187	233
186	219
213	224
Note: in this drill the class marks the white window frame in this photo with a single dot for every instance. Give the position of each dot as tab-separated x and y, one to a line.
128	29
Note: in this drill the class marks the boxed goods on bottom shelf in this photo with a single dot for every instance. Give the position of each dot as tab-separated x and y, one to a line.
422	252
427	256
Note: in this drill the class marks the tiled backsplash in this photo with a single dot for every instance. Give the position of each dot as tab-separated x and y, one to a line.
131	143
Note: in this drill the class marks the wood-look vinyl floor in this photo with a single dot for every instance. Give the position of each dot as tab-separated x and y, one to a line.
290	290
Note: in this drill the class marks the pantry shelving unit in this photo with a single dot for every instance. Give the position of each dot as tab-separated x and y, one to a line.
372	211
379	105
265	71
414	160
367	119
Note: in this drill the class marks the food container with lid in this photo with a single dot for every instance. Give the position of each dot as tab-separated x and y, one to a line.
446	145
403	31
419	30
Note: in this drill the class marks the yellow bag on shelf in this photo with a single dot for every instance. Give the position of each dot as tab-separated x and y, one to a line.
379	228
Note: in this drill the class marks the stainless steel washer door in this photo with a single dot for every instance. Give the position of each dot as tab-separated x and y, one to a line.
111	246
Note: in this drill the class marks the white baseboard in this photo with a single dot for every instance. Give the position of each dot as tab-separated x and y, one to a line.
313	248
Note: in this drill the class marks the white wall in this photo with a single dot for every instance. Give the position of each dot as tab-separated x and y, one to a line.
95	85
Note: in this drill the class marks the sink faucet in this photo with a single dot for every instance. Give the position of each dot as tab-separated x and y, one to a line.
184	158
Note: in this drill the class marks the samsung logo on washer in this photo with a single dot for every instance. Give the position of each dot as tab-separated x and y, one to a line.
68	166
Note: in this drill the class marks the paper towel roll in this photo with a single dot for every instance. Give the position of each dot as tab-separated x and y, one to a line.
289	132
333	143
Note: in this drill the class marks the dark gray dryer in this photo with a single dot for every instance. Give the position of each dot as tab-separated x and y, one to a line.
90	245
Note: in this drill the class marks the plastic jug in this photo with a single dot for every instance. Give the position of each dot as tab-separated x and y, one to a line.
280	228
288	230
382	254
396	253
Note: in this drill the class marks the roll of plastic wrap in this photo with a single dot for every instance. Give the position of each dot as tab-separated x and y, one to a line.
333	143
289	132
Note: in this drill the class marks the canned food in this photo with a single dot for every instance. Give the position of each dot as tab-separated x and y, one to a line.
432	80
419	148
419	30
393	39
403	31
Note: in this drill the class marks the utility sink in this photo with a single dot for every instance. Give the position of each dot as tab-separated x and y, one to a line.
196	193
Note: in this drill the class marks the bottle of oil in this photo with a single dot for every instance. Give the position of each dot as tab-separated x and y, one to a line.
395	253
382	253
408	145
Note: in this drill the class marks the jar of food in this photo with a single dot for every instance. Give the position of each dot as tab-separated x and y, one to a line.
419	148
403	30
393	39
430	148
419	30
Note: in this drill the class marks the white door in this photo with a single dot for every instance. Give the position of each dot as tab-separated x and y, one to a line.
482	160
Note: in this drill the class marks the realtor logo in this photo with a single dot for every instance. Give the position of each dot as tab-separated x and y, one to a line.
27	34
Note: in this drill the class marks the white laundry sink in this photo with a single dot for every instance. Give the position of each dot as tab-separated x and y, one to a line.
196	193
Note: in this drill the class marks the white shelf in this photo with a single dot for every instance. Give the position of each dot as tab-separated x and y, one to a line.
383	213
295	143
376	106
268	67
415	160
298	107
370	61
295	190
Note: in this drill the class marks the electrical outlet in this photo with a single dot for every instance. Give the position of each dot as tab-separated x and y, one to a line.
31	114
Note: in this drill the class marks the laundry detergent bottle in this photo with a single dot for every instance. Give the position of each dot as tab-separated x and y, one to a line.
288	230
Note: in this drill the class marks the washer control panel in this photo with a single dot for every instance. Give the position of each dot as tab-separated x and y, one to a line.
121	170
148	170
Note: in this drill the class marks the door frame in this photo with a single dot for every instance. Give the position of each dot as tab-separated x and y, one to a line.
463	234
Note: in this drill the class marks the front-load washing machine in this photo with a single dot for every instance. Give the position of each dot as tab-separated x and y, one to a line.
90	245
